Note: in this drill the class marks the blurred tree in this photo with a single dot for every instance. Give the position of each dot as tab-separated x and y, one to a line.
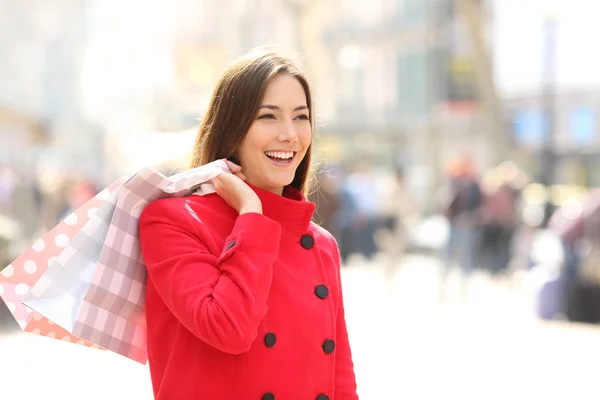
471	12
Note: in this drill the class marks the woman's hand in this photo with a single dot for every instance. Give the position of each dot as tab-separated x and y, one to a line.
232	188
235	169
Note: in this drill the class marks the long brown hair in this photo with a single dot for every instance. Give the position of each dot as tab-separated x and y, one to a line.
235	104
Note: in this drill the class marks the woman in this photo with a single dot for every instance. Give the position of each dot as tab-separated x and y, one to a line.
243	296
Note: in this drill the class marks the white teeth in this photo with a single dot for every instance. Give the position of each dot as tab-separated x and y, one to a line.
284	155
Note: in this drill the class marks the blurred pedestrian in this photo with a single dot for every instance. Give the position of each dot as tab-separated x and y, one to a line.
499	218
463	200
326	197
362	196
399	214
577	224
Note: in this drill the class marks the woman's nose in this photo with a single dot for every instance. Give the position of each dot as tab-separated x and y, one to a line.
288	132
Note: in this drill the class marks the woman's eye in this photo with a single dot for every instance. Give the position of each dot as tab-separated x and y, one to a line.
303	116
266	116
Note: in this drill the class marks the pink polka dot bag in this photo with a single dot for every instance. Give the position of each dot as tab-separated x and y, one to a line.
84	281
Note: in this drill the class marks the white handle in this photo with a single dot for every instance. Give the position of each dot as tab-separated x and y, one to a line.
192	180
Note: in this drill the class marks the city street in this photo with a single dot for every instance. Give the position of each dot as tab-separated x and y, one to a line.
421	130
407	345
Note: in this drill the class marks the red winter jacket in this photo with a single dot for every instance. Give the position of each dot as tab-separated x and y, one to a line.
244	307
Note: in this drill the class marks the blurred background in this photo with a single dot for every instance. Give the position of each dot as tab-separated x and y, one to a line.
457	166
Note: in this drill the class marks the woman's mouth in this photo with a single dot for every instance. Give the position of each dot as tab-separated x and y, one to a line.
281	158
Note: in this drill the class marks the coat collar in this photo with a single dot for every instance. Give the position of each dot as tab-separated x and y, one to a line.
291	210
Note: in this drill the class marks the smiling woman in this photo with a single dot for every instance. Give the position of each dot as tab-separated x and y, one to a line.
279	138
261	98
244	297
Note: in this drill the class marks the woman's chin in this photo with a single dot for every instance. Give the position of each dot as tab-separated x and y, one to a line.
272	181
280	181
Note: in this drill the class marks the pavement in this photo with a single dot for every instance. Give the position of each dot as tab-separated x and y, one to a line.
407	344
487	343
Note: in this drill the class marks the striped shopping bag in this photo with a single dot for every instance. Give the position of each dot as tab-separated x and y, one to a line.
98	293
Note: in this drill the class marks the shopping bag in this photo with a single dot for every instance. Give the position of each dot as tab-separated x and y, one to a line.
17	279
107	308
60	290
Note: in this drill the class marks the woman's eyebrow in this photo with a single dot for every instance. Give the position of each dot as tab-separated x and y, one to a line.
277	108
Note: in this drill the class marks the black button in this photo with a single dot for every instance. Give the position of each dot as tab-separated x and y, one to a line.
329	346
268	396
270	339
307	241
322	397
230	245
321	291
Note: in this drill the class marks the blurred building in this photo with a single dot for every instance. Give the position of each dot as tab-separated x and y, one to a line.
40	76
154	72
575	140
94	72
546	70
406	91
395	81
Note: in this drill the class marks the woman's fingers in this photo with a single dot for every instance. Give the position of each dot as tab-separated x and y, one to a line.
233	167
217	179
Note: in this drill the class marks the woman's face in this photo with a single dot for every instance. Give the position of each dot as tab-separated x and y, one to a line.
279	137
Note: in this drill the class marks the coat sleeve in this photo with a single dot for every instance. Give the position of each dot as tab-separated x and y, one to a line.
345	380
219	298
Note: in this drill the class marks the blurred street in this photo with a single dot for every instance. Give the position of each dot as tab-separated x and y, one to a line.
457	130
489	346
407	345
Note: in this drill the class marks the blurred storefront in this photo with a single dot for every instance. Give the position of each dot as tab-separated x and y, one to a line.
575	142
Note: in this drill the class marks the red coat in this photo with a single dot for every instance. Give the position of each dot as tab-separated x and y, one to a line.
244	307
